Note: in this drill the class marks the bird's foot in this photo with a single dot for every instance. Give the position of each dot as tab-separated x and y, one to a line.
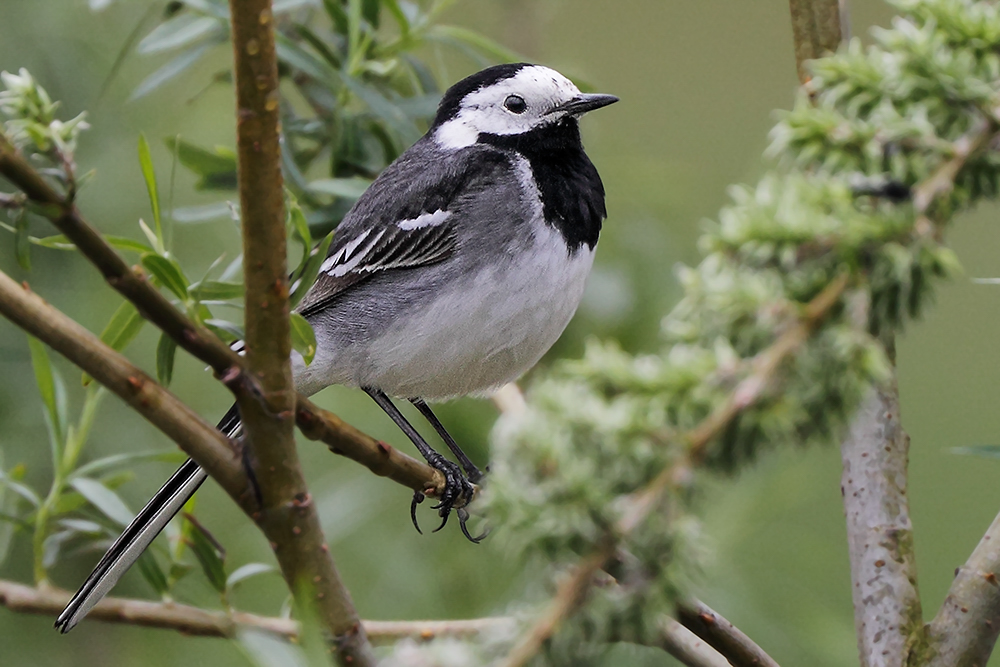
458	490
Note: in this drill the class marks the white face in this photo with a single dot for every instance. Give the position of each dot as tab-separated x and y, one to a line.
511	106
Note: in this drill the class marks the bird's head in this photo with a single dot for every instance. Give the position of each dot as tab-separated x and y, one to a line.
509	100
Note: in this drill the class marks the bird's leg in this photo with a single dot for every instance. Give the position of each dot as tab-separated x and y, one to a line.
456	485
471	471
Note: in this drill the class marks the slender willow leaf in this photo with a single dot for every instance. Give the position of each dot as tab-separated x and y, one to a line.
228	331
165	352
217	167
310	270
173	68
149	175
22	244
179	31
203	213
168	272
986	451
216	290
382	107
303	338
209	553
104	499
48	388
349	188
109	463
150	569
121	329
246	571
481	43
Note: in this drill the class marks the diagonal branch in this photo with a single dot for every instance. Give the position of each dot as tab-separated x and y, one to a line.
723	636
199	439
190	620
690	649
191	336
764	372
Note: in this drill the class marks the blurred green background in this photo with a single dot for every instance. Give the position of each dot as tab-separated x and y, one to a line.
698	82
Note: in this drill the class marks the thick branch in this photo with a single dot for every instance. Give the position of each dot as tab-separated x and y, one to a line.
887	614
687	647
723	636
190	620
764	369
287	516
199	439
818	26
965	629
189	335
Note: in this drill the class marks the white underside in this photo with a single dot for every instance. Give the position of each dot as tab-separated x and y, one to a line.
471	340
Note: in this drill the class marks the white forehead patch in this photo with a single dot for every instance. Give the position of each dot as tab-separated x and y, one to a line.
482	110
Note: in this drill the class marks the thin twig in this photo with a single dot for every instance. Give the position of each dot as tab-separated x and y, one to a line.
190	620
189	335
198	438
723	636
764	369
688	648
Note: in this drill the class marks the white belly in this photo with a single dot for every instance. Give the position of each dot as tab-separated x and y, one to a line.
472	340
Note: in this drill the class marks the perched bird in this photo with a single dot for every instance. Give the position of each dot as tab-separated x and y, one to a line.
452	275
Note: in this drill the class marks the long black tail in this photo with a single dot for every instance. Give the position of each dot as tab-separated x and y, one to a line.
147	524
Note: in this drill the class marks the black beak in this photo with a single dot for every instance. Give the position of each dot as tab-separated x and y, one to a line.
583	103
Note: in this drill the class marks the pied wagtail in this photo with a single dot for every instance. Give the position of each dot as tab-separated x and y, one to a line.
452	275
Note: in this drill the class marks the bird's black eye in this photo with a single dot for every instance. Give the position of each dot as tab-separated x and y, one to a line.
515	104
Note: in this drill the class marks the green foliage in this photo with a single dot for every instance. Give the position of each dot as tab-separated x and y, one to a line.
361	96
865	189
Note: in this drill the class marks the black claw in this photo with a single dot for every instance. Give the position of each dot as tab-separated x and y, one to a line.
417	499
463	516
444	514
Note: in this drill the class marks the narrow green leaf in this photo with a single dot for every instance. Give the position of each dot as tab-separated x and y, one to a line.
121	329
303	338
168	272
149	175
46	381
986	451
183	29
150	569
22	245
370	10
349	188
109	463
337	14
203	213
244	572
402	20
456	35
292	54
216	290
286	6
8	509
165	352
209	553
298	223
9	481
217	167
310	270
319	45
264	649
172	69
82	526
104	499
382	107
